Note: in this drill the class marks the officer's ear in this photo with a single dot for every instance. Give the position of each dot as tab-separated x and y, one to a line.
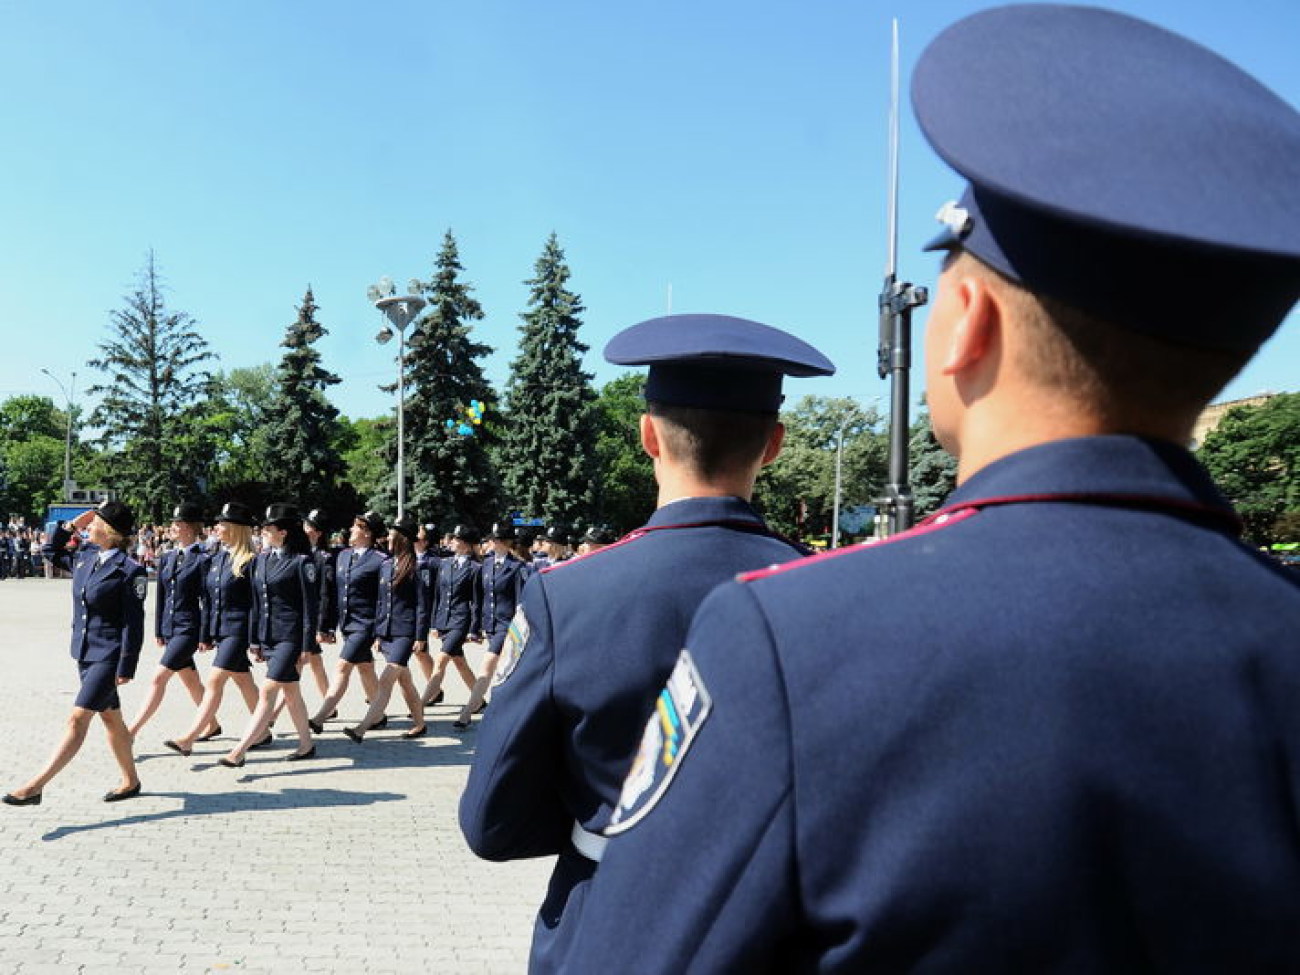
774	442
976	331
650	436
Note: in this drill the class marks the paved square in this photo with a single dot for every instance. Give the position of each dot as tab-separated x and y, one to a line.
349	863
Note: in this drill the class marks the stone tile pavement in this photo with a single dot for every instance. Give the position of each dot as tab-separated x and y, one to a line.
351	863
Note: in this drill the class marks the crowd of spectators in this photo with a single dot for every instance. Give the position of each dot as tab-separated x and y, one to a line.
20	550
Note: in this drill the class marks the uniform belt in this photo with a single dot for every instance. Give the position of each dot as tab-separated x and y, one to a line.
589	844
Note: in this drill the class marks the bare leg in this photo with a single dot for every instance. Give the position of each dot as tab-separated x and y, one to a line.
258	724
317	665
298	714
73	737
466	671
247	687
412	698
478	694
119	740
157	688
379	700
336	692
208	709
425	659
369	681
435	682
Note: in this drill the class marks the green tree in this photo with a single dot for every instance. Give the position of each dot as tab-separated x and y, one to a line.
797	491
450	474
298	457
549	450
364	445
24	417
239	420
153	402
628	492
1254	456
32	440
932	470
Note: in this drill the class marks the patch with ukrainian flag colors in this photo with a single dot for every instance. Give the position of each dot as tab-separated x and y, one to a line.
513	648
680	712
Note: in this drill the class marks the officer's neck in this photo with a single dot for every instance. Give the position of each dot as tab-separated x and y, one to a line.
676	484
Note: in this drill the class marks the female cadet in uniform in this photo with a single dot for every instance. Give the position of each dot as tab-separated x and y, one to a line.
317	529
108	590
402	626
456	616
284	623
426	557
226	622
504	576
356	572
178	615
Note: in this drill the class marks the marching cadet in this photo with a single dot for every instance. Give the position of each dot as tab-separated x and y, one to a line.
108	592
316	527
402	626
178	615
459	588
504	576
227	618
595	637
426	557
285	589
356	572
1020	762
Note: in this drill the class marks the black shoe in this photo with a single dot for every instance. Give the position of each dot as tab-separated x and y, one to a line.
296	757
419	732
437	699
216	732
381	723
33	800
460	725
177	748
119	795
355	736
229	764
481	708
315	726
270	737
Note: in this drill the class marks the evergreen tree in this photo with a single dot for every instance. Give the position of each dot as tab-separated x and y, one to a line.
548	458
153	402
450	475
302	463
628	492
932	470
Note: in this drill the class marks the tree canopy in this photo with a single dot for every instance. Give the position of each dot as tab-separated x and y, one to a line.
1254	456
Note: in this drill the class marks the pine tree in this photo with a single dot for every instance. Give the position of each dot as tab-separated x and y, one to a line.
450	475
548	459
301	463
153	402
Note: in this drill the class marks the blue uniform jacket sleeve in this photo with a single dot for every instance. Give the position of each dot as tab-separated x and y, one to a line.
511	807
310	581
158	597
55	550
328	596
257	611
705	881
134	593
476	600
423	602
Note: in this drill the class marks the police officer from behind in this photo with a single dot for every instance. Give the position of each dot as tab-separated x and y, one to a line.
108	592
503	576
596	636
178	614
1021	762
356	573
459	600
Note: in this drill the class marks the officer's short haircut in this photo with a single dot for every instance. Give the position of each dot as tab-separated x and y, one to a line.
1125	376
713	442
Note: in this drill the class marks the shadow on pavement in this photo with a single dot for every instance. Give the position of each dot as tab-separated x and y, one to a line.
221	803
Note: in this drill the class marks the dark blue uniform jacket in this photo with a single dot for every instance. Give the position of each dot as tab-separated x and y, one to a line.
603	631
284	600
228	608
107	604
404	609
356	572
503	584
1054	730
327	614
460	594
178	606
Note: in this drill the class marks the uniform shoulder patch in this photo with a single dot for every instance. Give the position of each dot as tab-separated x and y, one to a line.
310	570
513	649
424	577
680	711
140	585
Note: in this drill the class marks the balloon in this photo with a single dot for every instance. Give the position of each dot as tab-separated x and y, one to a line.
465	430
451	424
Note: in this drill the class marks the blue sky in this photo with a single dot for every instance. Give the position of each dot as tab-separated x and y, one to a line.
733	151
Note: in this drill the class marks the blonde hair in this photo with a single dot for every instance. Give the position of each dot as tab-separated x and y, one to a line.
115	538
239	540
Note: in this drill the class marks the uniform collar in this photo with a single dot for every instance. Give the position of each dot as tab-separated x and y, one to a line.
1114	466
689	511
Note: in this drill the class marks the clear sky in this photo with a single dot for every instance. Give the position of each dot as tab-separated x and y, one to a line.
731	150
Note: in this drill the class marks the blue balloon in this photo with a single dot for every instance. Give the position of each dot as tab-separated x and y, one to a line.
465	430
451	424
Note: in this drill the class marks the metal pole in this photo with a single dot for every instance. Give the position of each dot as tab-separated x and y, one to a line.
839	458
401	421
67	445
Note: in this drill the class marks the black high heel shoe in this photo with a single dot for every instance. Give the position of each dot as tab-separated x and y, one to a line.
295	757
117	795
33	800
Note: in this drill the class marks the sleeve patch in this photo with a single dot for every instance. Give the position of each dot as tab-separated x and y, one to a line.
140	584
680	712
310	570
424	577
513	649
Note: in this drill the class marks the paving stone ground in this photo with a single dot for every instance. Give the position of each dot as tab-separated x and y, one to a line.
348	863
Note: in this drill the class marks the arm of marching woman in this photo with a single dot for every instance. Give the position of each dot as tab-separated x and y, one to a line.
309	579
700	871
512	807
328	618
423	602
476	600
134	591
158	596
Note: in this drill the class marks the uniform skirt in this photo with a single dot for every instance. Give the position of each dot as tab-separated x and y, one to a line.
397	650
453	642
232	655
497	640
357	647
282	662
98	686
179	653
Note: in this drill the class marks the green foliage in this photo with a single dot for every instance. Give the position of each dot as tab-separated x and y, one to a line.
238	422
153	406
33	475
364	445
549	449
296	455
628	492
932	470
24	417
797	491
1254	456
450	477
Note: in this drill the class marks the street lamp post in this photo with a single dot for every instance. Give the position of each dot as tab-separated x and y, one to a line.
400	311
839	461
67	446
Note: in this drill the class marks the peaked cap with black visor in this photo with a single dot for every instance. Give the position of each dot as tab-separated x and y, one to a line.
1119	168
715	362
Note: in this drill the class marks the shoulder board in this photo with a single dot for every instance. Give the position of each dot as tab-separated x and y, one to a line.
943	519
